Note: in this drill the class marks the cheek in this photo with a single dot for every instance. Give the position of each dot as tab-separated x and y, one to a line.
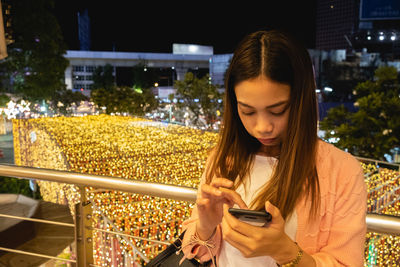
283	124
246	121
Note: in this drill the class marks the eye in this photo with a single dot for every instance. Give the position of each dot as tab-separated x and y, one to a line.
278	113
247	113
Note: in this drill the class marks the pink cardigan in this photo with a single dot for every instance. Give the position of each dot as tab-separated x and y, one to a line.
337	236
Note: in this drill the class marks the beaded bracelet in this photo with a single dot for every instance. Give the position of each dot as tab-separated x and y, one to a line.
295	261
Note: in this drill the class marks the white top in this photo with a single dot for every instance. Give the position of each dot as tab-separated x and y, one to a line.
259	175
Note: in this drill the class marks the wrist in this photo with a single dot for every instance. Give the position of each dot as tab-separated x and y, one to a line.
295	261
287	253
204	233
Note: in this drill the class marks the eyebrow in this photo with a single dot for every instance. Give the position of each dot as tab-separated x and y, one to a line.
270	106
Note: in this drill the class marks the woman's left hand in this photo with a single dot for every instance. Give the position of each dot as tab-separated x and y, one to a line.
253	241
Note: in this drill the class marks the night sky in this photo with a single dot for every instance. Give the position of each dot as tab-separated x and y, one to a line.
150	26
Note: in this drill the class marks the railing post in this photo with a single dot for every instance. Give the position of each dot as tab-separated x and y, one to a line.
83	232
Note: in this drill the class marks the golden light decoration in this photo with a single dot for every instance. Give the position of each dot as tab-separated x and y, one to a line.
383	198
124	147
135	148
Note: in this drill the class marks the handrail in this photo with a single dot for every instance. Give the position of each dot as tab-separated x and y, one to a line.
36	254
375	222
114	183
384	224
378	161
37	220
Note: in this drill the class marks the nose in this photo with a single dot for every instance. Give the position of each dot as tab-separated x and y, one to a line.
264	126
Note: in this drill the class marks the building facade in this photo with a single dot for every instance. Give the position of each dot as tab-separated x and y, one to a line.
356	25
84	30
336	23
79	73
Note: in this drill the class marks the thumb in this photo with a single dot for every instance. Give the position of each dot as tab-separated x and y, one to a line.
275	212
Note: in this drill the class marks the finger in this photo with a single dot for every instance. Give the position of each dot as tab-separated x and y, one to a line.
240	227
221	182
275	212
210	191
233	197
233	237
242	247
202	202
245	229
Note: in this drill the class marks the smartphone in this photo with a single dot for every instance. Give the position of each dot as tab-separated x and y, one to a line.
254	217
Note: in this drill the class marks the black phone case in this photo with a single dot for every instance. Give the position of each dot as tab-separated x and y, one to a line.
251	215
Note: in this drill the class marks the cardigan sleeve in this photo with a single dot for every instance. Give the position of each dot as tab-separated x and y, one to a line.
195	250
346	241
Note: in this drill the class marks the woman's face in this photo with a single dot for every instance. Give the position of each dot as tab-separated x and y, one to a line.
263	107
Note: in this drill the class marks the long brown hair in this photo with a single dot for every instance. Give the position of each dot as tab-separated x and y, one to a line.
281	58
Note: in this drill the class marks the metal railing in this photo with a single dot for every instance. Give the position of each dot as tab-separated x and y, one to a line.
98	181
379	162
84	209
377	223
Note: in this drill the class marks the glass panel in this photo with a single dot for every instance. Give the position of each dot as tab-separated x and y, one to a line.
77	68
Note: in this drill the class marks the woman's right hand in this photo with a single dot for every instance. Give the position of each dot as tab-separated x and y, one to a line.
210	205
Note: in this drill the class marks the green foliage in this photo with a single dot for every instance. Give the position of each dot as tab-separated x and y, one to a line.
142	76
17	186
4	99
374	129
386	73
36	62
125	99
103	78
192	88
64	99
343	77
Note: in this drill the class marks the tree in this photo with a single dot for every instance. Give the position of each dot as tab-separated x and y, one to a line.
36	62
200	97
103	78
10	185
63	100
142	76
374	129
4	99
343	77
125	99
135	100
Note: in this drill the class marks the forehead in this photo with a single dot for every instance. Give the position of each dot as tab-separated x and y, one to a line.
261	92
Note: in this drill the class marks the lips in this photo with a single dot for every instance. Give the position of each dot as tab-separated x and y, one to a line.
267	141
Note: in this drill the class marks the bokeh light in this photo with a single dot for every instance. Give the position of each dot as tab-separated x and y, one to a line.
140	149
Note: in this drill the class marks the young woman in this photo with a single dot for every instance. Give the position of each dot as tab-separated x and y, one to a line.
270	158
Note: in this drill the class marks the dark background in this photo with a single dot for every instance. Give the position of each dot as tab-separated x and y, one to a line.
150	26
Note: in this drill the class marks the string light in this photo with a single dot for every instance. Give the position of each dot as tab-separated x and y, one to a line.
139	149
124	147
383	190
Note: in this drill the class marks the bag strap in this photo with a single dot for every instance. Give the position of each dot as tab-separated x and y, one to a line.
178	242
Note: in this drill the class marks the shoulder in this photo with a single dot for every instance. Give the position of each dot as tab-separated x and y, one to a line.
330	156
337	167
340	173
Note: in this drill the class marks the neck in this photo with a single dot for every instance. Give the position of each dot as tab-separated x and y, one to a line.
269	151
